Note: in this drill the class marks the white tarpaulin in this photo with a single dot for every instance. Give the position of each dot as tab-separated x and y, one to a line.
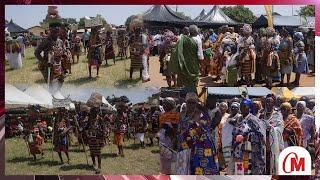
14	96
304	91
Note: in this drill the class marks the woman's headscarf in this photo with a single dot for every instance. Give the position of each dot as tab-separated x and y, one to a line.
169	102
303	103
247	29
298	36
286	105
249	103
192	96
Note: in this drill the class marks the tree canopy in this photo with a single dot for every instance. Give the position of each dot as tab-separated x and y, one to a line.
239	13
308	10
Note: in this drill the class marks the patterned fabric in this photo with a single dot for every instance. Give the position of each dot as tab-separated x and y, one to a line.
136	51
308	126
292	133
109	51
172	117
182	166
36	145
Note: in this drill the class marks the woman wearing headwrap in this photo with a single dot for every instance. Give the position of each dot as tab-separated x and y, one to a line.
194	143
271	125
260	43
300	58
247	154
292	132
257	108
226	137
94	55
168	127
247	56
307	123
285	56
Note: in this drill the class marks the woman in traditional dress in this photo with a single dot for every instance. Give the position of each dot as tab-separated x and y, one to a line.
194	143
13	53
35	143
167	135
231	66
207	53
292	132
62	140
247	55
75	45
94	56
109	51
300	58
285	56
120	127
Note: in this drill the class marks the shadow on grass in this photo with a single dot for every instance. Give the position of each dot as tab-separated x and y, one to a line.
9	69
209	82
124	83
76	150
108	155
132	146
155	151
20	159
40	81
45	162
76	166
83	80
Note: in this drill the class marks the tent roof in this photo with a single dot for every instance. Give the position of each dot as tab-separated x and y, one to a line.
14	28
201	15
224	91
14	96
161	13
216	15
304	91
293	21
258	91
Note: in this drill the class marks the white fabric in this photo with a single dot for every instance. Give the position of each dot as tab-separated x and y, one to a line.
145	71
40	93
198	40
15	96
15	60
140	136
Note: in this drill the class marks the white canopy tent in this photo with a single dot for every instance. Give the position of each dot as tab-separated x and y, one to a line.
14	96
304	91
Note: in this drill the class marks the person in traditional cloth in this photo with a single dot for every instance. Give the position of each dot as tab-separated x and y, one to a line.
122	42
94	55
154	126
292	132
61	143
75	46
247	55
21	40
185	59
139	50
35	143
195	145
50	62
120	127
96	137
285	56
231	66
167	135
308	126
260	44
141	125
226	137
300	58
65	45
273	63
272	126
247	154
207	54
257	108
13	53
109	51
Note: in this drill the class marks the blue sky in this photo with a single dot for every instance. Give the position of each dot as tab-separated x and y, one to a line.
27	16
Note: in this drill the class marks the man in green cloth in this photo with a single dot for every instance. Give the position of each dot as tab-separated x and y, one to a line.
185	59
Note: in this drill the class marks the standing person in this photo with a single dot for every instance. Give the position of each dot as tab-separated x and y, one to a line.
273	64
226	137
231	66
75	45
195	145
13	53
271	121
307	123
66	56
154	126
94	55
120	127
50	63
300	58
141	125
261	40
212	36
157	41
285	56
167	135
247	55
21	41
139	50
207	54
96	137
186	58
61	143
35	142
86	38
109	51
292	132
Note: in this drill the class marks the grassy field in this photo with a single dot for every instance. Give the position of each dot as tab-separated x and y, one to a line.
111	75
136	160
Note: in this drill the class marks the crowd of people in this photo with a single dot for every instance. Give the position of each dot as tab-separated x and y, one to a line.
232	136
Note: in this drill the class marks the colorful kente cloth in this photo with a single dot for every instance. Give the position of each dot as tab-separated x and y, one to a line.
308	126
292	133
109	51
185	63
203	158
248	155
172	117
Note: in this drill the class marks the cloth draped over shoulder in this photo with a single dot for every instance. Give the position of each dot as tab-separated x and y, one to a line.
293	131
184	62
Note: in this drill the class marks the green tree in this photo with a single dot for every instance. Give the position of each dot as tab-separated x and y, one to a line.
308	10
81	23
128	21
239	13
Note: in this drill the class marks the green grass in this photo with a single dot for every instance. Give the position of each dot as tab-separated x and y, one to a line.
136	160
113	75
